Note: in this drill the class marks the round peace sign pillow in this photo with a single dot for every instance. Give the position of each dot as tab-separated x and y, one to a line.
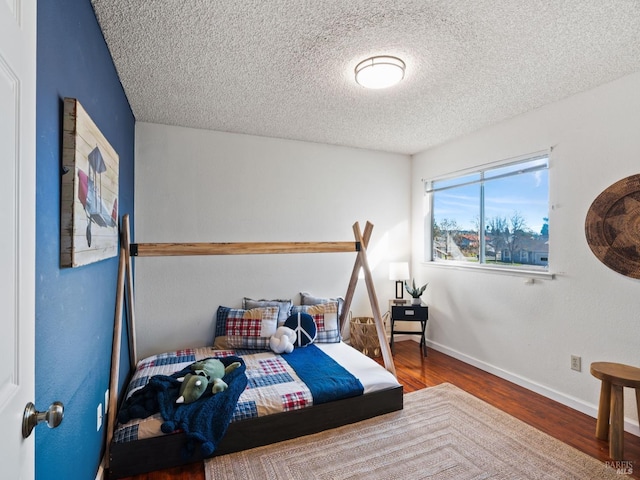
304	326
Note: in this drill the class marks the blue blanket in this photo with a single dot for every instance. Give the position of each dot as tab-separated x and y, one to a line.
326	379
160	394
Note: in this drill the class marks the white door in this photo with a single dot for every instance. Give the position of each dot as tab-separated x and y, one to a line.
17	231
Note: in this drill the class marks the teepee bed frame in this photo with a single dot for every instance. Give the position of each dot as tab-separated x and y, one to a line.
135	457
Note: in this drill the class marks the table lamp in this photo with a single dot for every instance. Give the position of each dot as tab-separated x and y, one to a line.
399	271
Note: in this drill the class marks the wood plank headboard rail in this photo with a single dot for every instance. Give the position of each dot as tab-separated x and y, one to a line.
239	248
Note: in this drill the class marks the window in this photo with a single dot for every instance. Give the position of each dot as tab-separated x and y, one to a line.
508	203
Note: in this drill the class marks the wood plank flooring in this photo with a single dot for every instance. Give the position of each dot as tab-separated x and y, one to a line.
416	372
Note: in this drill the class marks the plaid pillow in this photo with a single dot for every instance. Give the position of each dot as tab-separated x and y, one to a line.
307	299
283	305
238	328
326	318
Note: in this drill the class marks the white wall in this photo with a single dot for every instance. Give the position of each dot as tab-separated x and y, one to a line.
527	333
203	186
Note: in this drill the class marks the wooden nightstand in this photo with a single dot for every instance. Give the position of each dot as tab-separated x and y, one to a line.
410	313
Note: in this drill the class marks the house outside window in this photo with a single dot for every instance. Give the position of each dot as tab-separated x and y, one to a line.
508	202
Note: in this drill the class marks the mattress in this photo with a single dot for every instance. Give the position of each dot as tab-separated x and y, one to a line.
273	386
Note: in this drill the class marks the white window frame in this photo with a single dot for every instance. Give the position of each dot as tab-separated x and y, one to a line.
531	271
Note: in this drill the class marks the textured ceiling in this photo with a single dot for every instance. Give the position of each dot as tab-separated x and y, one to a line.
284	68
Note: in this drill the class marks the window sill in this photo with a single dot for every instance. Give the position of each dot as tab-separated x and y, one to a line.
515	272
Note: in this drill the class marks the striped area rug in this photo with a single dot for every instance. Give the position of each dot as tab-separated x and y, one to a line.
442	433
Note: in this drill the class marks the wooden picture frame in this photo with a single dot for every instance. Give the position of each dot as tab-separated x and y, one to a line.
89	191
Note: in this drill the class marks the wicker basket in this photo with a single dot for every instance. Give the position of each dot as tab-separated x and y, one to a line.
364	336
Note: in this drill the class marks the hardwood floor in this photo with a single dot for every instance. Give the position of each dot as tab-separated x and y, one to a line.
416	372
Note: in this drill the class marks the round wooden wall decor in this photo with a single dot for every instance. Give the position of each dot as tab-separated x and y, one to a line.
612	226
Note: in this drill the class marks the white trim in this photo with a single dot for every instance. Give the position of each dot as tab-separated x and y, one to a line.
487	166
516	272
567	400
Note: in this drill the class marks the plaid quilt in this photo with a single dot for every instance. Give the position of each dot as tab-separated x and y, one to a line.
273	387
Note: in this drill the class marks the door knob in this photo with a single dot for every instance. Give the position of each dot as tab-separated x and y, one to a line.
53	416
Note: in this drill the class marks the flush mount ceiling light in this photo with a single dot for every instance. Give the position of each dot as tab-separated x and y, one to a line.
380	72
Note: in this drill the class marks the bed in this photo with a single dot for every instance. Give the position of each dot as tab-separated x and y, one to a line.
298	408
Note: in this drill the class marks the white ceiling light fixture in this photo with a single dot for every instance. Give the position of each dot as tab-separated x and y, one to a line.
380	72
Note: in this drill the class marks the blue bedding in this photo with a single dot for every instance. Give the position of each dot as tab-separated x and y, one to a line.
204	421
327	379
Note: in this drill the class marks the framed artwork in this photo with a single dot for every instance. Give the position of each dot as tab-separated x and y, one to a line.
89	191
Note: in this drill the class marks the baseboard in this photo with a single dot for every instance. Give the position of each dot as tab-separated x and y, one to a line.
567	400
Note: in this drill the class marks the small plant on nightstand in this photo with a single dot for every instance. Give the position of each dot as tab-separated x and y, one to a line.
414	291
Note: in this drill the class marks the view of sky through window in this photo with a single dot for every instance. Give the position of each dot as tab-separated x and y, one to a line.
513	203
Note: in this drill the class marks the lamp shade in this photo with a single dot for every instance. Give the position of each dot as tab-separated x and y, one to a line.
398	271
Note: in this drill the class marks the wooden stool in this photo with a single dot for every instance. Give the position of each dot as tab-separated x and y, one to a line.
614	376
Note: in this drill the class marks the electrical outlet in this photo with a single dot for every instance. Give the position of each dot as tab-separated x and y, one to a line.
99	418
576	363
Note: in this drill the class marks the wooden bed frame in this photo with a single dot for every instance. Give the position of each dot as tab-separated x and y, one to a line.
132	458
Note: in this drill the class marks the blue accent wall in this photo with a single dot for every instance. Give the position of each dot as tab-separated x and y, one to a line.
74	307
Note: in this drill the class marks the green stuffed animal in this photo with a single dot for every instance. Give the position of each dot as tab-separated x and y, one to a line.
192	388
205	372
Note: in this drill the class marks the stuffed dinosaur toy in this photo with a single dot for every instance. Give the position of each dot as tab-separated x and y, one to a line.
283	341
206	373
